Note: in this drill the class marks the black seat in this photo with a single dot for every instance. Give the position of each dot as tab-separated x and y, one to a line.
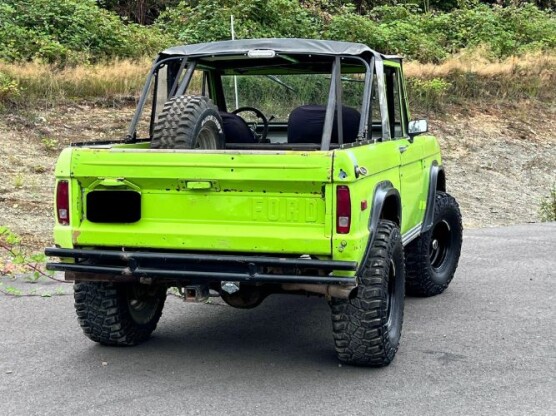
236	129
306	123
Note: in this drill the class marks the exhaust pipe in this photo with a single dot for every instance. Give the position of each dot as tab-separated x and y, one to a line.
330	291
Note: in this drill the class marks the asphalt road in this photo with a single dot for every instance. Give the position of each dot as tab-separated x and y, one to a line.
485	346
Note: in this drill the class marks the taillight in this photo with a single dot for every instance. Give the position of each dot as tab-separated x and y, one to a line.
62	202
343	210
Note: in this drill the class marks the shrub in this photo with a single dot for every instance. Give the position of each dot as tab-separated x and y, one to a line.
9	89
69	31
431	37
16	262
427	94
210	21
548	206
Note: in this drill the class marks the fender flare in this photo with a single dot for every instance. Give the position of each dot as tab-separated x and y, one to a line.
435	172
383	190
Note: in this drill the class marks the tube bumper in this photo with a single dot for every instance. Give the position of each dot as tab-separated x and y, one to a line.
114	265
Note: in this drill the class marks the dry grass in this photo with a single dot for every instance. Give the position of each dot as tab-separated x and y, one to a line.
475	61
472	76
467	76
51	85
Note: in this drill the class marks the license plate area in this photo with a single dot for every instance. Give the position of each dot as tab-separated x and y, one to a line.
111	206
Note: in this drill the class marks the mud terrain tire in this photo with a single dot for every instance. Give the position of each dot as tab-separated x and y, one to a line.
367	328
188	122
118	314
432	258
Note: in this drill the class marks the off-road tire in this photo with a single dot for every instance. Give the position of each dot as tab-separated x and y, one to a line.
432	258
107	315
188	122
367	328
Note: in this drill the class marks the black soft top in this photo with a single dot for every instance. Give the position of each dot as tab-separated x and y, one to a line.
284	46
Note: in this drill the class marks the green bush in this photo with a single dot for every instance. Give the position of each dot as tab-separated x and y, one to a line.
69	31
427	94
506	31
9	89
431	37
548	206
210	20
72	31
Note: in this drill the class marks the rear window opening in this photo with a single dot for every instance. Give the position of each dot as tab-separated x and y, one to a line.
294	102
107	206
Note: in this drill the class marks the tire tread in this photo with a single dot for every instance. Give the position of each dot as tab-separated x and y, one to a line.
359	325
103	314
176	123
418	270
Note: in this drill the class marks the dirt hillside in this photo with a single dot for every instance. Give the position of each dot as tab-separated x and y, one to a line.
500	161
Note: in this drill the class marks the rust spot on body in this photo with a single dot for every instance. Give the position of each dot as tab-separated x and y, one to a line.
74	236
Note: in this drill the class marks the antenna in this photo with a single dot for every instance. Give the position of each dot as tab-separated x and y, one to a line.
235	78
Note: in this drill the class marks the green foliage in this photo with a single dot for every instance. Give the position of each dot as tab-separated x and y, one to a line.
393	30
210	20
506	31
427	94
73	31
19	181
69	31
548	206
49	144
431	37
19	260
12	291
17	263
8	237
9	89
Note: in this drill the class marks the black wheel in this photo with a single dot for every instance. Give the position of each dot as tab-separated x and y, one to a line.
367	328
118	314
261	137
188	122
432	259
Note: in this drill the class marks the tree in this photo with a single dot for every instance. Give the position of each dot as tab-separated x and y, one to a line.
143	12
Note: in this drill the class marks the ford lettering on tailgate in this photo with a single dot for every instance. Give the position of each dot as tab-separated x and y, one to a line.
287	209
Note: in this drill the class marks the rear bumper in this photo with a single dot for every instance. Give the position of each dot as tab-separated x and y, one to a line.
116	265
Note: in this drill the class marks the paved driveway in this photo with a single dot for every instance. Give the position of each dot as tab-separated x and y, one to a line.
486	346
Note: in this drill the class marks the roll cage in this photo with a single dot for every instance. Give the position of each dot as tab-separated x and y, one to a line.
282	56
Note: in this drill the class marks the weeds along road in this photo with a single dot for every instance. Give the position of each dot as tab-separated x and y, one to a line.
486	346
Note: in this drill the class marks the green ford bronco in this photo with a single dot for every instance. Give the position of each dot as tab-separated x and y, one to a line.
255	167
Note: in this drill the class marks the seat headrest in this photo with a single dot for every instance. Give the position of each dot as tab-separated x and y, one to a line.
306	123
236	129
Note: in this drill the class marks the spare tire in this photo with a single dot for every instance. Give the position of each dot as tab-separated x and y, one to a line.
188	122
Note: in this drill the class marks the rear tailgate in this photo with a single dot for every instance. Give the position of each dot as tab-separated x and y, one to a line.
242	201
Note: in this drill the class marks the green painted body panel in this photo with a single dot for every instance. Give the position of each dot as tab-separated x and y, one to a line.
415	169
244	201
239	201
382	163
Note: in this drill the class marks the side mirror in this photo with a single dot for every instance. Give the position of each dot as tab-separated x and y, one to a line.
416	127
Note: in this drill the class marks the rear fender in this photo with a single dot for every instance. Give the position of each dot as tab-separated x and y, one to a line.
386	205
437	182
